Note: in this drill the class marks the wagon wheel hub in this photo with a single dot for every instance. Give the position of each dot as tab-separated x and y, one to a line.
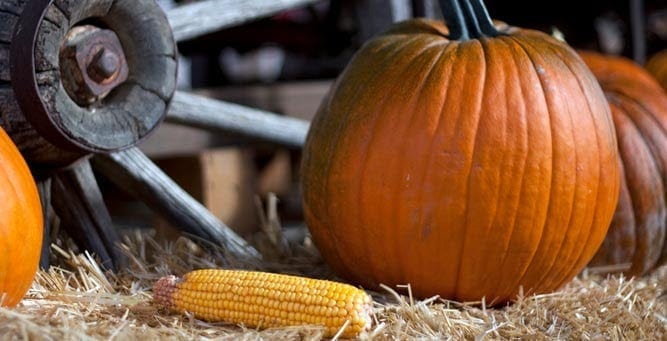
92	63
92	77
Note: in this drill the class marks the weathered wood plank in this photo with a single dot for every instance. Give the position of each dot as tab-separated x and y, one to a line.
149	46
47	46
202	112
4	63
34	148
7	23
203	17
77	10
12	6
79	204
9	16
135	173
44	188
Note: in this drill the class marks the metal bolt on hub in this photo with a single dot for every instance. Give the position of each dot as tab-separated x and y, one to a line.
92	63
104	66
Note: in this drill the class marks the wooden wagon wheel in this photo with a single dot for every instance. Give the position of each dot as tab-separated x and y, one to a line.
82	82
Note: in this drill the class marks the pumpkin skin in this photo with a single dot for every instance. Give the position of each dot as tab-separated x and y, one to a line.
638	232
657	66
21	224
466	169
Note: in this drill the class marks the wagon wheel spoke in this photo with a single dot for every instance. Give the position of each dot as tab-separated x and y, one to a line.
135	173
203	17
202	112
44	188
79	204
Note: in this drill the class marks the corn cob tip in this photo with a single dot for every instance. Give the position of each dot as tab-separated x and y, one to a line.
163	291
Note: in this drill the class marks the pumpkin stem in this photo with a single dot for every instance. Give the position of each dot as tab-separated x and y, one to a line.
467	19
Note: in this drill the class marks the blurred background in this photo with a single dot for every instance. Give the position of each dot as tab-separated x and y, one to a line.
315	41
285	63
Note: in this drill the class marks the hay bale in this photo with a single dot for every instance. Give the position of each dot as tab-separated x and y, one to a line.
77	300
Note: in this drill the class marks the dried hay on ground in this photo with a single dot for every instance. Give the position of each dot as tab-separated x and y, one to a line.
78	301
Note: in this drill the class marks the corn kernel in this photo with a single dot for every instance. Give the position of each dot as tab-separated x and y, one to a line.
264	300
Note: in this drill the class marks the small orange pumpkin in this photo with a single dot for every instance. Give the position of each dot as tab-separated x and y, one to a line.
465	161
638	233
21	224
657	66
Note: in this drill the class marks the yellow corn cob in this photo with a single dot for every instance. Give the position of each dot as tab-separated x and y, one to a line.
263	300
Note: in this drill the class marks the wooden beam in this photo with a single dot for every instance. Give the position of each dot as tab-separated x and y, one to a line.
205	113
203	17
132	171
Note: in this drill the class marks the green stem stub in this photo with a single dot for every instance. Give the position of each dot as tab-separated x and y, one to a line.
467	19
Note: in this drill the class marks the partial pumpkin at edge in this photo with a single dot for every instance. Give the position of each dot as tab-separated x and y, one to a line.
21	225
637	239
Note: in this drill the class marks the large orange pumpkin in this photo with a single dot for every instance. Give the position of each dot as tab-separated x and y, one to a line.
463	161
638	233
657	66
20	224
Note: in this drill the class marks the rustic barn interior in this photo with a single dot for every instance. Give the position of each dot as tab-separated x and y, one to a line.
210	177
